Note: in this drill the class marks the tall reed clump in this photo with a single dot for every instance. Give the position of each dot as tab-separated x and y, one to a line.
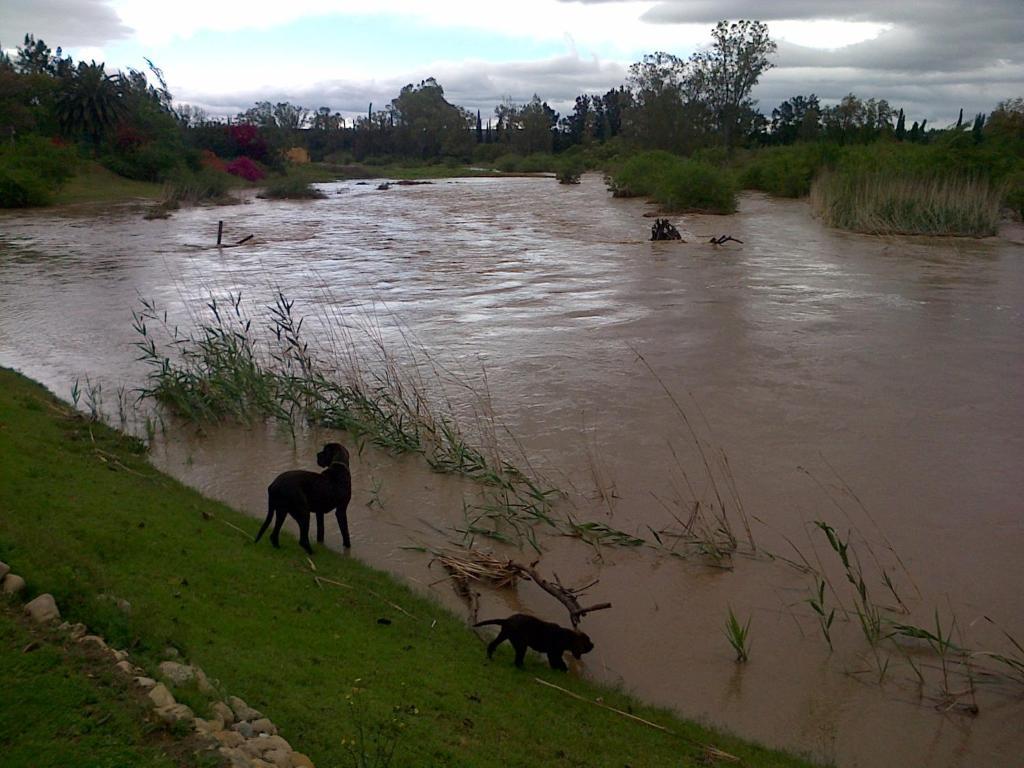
676	183
191	187
899	202
291	188
225	369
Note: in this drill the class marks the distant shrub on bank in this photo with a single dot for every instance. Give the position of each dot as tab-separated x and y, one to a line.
687	185
908	203
290	189
32	169
245	168
638	175
207	185
678	184
786	171
570	169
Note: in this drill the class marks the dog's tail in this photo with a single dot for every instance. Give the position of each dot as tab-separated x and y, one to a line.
499	622
266	523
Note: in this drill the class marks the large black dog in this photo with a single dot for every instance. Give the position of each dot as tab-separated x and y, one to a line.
299	493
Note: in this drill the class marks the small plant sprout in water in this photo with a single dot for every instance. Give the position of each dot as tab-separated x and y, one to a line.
738	636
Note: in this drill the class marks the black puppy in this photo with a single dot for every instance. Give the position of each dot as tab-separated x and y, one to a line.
528	631
299	493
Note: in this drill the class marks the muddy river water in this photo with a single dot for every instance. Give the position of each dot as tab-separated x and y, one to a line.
874	383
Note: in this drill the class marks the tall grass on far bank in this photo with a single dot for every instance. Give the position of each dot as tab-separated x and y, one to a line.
903	203
291	188
190	187
676	183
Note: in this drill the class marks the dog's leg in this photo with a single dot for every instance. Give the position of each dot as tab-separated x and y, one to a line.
275	534
342	514
556	662
303	520
520	647
496	642
319	528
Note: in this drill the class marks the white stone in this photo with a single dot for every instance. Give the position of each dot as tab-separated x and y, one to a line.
267	743
161	697
145	682
264	726
279	757
242	710
128	668
94	640
223	712
42	609
208	727
13	584
299	760
178	674
229	738
174	712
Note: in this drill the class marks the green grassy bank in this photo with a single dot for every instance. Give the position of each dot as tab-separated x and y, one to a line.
85	517
63	705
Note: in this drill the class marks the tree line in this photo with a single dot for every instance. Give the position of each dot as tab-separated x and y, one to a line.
129	122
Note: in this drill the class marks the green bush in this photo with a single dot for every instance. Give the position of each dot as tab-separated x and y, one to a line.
686	185
638	175
538	162
786	171
678	184
487	153
508	163
290	189
31	170
147	162
570	169
196	186
1013	198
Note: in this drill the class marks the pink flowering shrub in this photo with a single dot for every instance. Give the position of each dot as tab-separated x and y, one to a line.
245	168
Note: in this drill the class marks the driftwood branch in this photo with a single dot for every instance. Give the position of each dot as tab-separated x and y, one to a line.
662	229
722	239
474	566
565	595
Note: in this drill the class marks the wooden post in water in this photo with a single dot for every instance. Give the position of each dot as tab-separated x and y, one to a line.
220	231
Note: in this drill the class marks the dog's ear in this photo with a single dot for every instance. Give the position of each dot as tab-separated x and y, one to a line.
340	454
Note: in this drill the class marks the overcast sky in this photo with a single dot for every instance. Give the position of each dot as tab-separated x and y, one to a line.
930	57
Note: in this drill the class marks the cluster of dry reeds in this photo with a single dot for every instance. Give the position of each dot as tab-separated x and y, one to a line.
895	203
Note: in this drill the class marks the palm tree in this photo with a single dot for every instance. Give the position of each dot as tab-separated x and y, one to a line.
90	101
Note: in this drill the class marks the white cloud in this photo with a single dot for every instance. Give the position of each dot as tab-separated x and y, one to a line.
66	23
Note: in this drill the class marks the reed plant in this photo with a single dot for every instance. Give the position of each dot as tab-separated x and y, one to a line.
896	202
224	369
291	188
193	187
738	636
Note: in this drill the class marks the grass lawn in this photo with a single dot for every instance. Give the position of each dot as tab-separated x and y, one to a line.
64	706
95	184
84	515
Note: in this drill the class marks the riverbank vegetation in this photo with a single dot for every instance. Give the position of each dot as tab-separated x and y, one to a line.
697	112
357	663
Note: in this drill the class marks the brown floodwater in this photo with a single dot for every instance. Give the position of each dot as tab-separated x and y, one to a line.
874	383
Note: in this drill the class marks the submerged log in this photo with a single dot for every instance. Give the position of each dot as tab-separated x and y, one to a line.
662	229
722	239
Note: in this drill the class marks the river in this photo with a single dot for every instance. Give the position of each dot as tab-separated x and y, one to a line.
873	383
